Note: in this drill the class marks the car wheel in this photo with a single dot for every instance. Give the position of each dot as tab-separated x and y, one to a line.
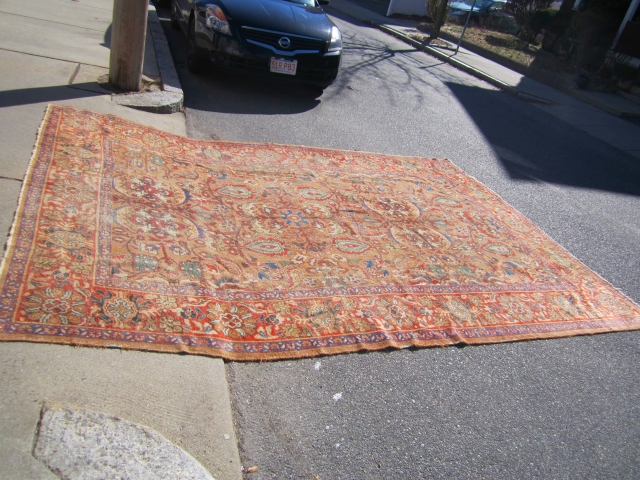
175	23
315	90
195	60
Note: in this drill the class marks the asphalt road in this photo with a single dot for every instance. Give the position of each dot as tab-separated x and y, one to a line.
566	408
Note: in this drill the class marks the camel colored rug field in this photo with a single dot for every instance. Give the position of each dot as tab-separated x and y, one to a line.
128	236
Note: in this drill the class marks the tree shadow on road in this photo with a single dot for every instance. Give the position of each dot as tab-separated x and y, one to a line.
567	156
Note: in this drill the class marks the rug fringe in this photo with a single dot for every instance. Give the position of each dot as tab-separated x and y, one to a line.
17	216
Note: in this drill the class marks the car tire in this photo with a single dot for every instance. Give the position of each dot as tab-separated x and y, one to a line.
315	90
175	23
196	63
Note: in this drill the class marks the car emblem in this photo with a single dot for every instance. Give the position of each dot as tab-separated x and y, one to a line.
284	42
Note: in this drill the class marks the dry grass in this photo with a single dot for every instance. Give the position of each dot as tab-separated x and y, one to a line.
504	44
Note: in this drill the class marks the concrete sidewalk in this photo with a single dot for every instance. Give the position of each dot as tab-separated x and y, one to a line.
590	114
54	51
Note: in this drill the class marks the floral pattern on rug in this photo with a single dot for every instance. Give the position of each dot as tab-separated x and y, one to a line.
130	236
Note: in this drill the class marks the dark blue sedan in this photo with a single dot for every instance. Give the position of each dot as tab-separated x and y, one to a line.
289	39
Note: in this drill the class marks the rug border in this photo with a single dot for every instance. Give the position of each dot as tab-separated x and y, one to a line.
390	345
16	224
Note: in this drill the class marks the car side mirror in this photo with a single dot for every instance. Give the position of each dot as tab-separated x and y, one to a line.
323	2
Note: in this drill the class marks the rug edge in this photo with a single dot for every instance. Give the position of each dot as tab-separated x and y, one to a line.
16	223
546	236
236	142
309	353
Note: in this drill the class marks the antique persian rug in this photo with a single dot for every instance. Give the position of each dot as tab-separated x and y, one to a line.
132	237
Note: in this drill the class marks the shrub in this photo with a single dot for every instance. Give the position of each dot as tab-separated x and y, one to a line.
522	11
541	20
594	27
626	71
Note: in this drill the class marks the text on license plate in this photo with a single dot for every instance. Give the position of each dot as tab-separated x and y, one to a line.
280	65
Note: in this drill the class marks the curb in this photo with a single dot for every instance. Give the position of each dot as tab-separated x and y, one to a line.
462	66
602	106
171	98
536	74
541	76
448	59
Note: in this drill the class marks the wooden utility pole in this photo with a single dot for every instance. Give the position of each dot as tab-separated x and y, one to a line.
128	34
439	19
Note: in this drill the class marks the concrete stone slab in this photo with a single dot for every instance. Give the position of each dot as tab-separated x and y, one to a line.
170	80
74	44
65	13
8	202
183	397
94	446
36	82
497	71
29	72
88	74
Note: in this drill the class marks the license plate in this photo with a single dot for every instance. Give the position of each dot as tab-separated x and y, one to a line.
280	65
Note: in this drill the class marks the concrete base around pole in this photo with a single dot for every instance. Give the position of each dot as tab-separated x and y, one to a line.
83	445
155	102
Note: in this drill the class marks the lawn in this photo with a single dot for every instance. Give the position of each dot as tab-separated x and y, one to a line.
505	44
